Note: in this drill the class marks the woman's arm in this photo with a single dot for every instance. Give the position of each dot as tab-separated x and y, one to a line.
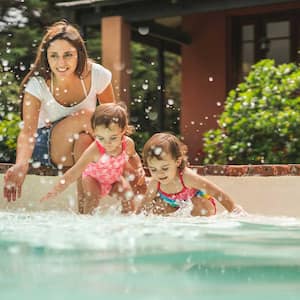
107	95
14	177
193	180
89	155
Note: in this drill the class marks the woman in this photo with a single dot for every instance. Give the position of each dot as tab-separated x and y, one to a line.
59	96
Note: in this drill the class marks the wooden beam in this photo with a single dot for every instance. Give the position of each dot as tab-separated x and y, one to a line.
164	33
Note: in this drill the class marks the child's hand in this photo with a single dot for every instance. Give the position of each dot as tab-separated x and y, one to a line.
48	196
141	181
239	211
141	176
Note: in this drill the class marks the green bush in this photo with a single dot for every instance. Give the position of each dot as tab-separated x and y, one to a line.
140	138
9	130
261	119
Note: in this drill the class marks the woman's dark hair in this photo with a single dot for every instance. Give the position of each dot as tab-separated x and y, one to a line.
61	30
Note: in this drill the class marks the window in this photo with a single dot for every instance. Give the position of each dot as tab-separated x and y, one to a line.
263	36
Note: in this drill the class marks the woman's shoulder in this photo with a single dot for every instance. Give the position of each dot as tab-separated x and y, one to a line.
34	80
99	69
101	77
36	85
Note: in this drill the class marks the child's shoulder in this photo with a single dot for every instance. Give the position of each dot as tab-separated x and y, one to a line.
186	171
128	140
130	146
189	174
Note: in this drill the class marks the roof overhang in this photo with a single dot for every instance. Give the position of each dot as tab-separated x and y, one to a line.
140	10
141	13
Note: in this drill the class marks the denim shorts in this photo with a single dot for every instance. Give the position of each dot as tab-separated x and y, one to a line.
41	151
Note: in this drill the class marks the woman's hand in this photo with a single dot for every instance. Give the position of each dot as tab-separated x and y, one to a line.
13	181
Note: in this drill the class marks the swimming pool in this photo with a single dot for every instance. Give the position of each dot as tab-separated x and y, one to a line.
62	255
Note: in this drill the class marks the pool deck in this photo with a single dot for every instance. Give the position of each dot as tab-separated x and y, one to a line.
270	190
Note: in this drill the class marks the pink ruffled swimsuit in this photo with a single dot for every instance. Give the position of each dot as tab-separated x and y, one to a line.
108	169
176	199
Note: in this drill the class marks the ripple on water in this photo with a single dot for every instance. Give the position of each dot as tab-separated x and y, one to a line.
138	257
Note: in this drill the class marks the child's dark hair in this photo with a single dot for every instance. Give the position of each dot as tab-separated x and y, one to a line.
165	143
111	113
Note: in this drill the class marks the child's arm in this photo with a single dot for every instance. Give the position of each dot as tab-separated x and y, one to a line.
194	180
148	201
135	161
73	173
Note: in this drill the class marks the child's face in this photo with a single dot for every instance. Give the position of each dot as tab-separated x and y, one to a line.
163	170
109	137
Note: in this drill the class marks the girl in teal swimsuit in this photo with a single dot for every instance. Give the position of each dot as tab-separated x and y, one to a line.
172	183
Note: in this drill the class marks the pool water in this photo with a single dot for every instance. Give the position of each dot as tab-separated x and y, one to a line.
61	255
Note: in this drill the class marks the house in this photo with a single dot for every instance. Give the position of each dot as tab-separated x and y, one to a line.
218	40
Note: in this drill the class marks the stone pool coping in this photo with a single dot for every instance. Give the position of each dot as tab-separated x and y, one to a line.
217	170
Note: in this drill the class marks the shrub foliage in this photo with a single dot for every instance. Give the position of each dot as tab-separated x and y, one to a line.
261	119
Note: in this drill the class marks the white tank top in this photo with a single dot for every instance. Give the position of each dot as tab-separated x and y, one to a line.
52	111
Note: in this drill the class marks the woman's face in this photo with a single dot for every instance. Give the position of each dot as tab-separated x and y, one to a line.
62	58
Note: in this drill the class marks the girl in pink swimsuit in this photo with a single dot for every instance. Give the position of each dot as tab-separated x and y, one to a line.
172	183
104	166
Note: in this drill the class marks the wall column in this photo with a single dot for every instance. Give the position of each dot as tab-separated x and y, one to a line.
116	36
203	79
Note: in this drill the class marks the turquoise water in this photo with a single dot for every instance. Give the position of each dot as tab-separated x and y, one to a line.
60	255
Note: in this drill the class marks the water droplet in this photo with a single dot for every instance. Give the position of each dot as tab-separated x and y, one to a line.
203	212
153	115
36	164
170	101
157	151
119	66
5	63
143	30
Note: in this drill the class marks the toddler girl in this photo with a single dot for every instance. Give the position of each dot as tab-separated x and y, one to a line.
173	183
105	162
